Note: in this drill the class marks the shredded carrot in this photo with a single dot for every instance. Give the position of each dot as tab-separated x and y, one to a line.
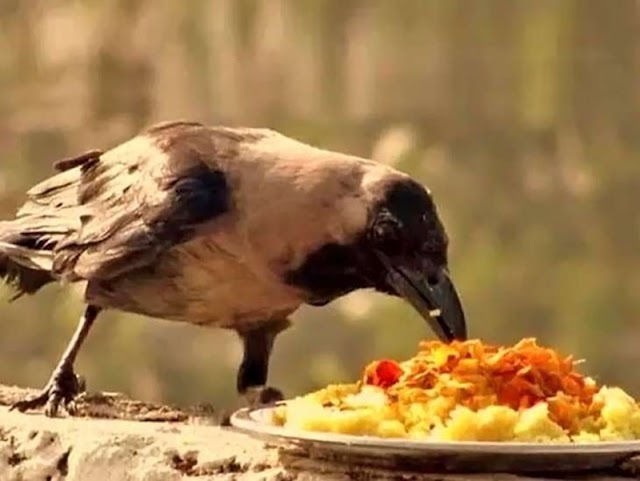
476	375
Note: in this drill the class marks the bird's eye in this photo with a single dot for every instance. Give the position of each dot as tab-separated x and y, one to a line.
379	231
386	229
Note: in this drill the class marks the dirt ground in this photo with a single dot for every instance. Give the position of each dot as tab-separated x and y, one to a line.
118	406
114	438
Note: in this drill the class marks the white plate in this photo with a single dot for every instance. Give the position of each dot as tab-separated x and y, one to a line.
440	456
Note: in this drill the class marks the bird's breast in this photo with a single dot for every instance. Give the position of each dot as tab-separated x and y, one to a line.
231	287
201	283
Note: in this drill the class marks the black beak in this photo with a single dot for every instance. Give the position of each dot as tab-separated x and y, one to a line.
435	299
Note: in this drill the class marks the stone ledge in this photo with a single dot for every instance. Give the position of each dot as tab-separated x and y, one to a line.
120	439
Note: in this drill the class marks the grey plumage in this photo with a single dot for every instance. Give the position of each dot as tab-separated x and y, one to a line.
118	213
227	227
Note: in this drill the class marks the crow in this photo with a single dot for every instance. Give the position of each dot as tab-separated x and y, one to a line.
233	228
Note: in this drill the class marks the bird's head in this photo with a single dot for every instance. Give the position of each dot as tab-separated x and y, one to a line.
401	250
407	256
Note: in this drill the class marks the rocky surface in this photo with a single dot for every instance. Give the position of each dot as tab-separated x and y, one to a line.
114	438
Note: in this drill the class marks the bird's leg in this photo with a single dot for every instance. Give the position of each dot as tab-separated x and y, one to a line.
253	372
252	375
254	369
63	384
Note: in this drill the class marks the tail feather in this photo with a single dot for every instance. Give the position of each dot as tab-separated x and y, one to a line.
50	213
34	259
25	270
21	279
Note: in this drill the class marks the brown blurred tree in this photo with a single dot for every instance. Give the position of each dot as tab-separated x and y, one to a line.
521	116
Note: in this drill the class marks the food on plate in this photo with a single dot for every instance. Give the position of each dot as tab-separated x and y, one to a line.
471	391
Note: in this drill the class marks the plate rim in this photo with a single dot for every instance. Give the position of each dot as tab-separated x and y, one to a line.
244	420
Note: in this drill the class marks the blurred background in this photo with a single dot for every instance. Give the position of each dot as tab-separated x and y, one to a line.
522	116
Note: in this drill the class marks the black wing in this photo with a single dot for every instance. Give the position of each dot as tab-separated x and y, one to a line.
141	200
107	214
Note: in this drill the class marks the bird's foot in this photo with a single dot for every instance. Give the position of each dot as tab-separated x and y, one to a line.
254	398
61	390
260	396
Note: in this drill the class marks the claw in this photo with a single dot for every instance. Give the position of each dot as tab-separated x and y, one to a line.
33	403
262	396
61	389
52	406
254	398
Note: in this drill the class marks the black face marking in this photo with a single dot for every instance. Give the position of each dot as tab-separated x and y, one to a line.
332	271
408	224
404	224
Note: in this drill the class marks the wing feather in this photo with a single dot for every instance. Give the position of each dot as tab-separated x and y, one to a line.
106	214
139	201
